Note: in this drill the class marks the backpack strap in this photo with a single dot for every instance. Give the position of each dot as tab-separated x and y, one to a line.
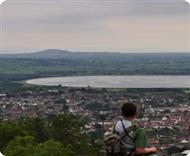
115	123
114	131
127	130
121	135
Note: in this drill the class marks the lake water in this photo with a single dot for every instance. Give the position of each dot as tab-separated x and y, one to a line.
116	81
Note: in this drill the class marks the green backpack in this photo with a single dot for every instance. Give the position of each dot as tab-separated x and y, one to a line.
111	142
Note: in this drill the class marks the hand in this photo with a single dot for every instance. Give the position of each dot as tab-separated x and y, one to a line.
153	149
148	150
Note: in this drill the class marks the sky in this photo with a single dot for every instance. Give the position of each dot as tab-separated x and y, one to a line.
95	25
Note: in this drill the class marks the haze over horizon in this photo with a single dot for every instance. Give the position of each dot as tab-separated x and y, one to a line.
95	26
83	52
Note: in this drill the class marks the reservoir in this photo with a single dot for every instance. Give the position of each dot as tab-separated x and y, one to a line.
153	81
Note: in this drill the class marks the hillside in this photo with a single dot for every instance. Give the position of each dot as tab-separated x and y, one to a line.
60	54
49	53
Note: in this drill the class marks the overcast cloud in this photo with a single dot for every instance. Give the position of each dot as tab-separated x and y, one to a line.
123	26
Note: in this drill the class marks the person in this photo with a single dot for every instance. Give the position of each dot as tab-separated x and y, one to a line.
134	142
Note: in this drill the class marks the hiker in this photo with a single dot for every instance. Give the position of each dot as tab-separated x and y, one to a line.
134	142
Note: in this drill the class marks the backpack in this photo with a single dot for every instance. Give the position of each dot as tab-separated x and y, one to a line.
111	142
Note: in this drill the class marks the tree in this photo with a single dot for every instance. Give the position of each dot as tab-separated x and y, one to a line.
9	131
53	148
26	146
62	135
22	146
67	130
36	127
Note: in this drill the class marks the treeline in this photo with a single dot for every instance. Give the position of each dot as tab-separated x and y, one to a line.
61	135
25	68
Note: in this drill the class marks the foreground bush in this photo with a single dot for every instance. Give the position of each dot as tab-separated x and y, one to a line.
59	136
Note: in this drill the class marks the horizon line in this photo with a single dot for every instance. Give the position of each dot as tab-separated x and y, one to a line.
98	51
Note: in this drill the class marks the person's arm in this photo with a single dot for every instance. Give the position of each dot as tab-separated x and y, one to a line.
147	150
141	144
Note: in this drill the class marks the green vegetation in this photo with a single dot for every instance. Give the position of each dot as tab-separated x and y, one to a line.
94	64
61	136
26	146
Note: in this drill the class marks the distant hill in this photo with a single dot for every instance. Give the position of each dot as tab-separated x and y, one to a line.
49	53
53	51
61	54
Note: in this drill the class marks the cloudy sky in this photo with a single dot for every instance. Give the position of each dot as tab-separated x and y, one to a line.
95	25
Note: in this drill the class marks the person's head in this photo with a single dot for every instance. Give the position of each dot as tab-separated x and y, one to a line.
129	110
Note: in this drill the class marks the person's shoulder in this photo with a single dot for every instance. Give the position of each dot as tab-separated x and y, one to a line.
117	121
136	127
122	122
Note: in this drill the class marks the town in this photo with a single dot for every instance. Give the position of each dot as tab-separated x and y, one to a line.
164	113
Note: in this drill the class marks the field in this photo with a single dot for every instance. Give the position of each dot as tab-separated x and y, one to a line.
16	68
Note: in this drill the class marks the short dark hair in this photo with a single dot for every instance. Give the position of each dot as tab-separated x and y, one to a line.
129	109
